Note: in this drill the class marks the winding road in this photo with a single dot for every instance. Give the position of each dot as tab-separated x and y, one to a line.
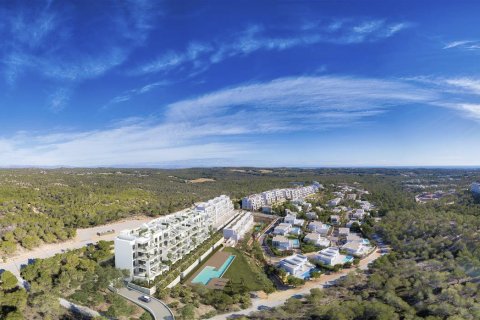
156	307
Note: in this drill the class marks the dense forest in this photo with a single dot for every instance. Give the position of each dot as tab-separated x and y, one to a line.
45	206
432	273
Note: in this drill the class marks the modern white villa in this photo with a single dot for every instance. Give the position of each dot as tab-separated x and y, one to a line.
319	227
292	219
297	266
267	198
334	202
356	248
237	228
311	215
282	229
283	243
330	256
147	251
316	239
356	245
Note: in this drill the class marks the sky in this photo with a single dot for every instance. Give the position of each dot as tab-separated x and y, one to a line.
239	83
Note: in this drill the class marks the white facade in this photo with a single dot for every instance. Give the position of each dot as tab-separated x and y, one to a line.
319	227
236	229
356	248
334	202
311	215
292	219
316	239
296	265
146	251
282	229
330	256
267	198
282	243
475	188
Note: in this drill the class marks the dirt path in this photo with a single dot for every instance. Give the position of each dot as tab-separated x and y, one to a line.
84	237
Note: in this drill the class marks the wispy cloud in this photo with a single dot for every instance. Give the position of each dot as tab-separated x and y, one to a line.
59	99
46	39
463	44
200	55
225	124
129	94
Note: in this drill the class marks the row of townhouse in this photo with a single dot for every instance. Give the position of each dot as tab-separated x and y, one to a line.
147	251
237	228
267	198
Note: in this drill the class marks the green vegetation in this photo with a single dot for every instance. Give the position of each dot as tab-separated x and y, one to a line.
82	276
13	299
433	272
248	274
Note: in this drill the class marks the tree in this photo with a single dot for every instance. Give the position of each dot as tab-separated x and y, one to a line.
8	281
188	311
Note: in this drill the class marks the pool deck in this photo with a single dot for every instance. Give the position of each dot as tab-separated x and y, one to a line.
216	261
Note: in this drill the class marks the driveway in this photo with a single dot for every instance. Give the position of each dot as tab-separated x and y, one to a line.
156	307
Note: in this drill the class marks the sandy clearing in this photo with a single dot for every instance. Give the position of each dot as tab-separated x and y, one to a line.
83	237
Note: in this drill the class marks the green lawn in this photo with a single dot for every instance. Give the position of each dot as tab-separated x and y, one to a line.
240	271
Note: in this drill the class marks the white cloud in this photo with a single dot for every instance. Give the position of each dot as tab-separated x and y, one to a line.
463	44
55	42
129	94
223	126
469	84
254	38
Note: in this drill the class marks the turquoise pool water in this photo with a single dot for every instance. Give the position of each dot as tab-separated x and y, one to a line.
208	273
295	230
348	259
295	243
308	274
366	241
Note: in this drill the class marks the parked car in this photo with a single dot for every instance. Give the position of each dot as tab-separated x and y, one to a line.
146	299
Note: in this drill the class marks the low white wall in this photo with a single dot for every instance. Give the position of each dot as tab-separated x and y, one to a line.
149	291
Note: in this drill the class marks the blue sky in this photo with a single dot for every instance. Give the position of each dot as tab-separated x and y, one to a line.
239	83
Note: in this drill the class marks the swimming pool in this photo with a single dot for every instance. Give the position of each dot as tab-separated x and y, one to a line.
366	241
295	243
348	259
307	275
209	272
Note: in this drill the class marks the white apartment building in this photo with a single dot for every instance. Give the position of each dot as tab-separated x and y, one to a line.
475	187
267	198
237	228
147	251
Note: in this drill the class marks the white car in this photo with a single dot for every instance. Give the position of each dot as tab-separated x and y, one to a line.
146	299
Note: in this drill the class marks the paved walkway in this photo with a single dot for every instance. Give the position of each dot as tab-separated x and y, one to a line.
156	307
279	297
84	237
